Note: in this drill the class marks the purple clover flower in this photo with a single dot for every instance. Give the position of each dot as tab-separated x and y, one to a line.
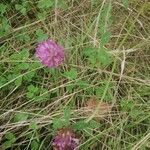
50	53
65	140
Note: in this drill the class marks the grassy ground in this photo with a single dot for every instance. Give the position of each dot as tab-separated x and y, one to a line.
107	56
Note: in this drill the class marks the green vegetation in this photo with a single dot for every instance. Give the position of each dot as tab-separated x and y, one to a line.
107	56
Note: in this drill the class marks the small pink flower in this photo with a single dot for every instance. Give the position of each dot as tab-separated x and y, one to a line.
65	139
50	53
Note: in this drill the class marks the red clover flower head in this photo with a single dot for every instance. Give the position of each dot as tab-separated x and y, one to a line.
65	139
50	53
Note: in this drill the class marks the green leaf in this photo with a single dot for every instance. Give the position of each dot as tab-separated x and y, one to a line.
34	145
72	74
3	80
22	8
23	66
42	16
20	116
41	36
18	81
39	99
91	55
94	2
33	126
67	115
21	56
135	113
4	26
58	123
7	144
23	11
3	49
45	4
80	125
125	3
28	77
10	136
93	60
89	51
82	84
104	57
42	97
35	65
18	6
94	124
32	92
24	54
14	56
2	8
127	105
70	87
30	95
27	38
105	38
100	90
29	135
32	88
62	4
37	137
24	38
105	20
